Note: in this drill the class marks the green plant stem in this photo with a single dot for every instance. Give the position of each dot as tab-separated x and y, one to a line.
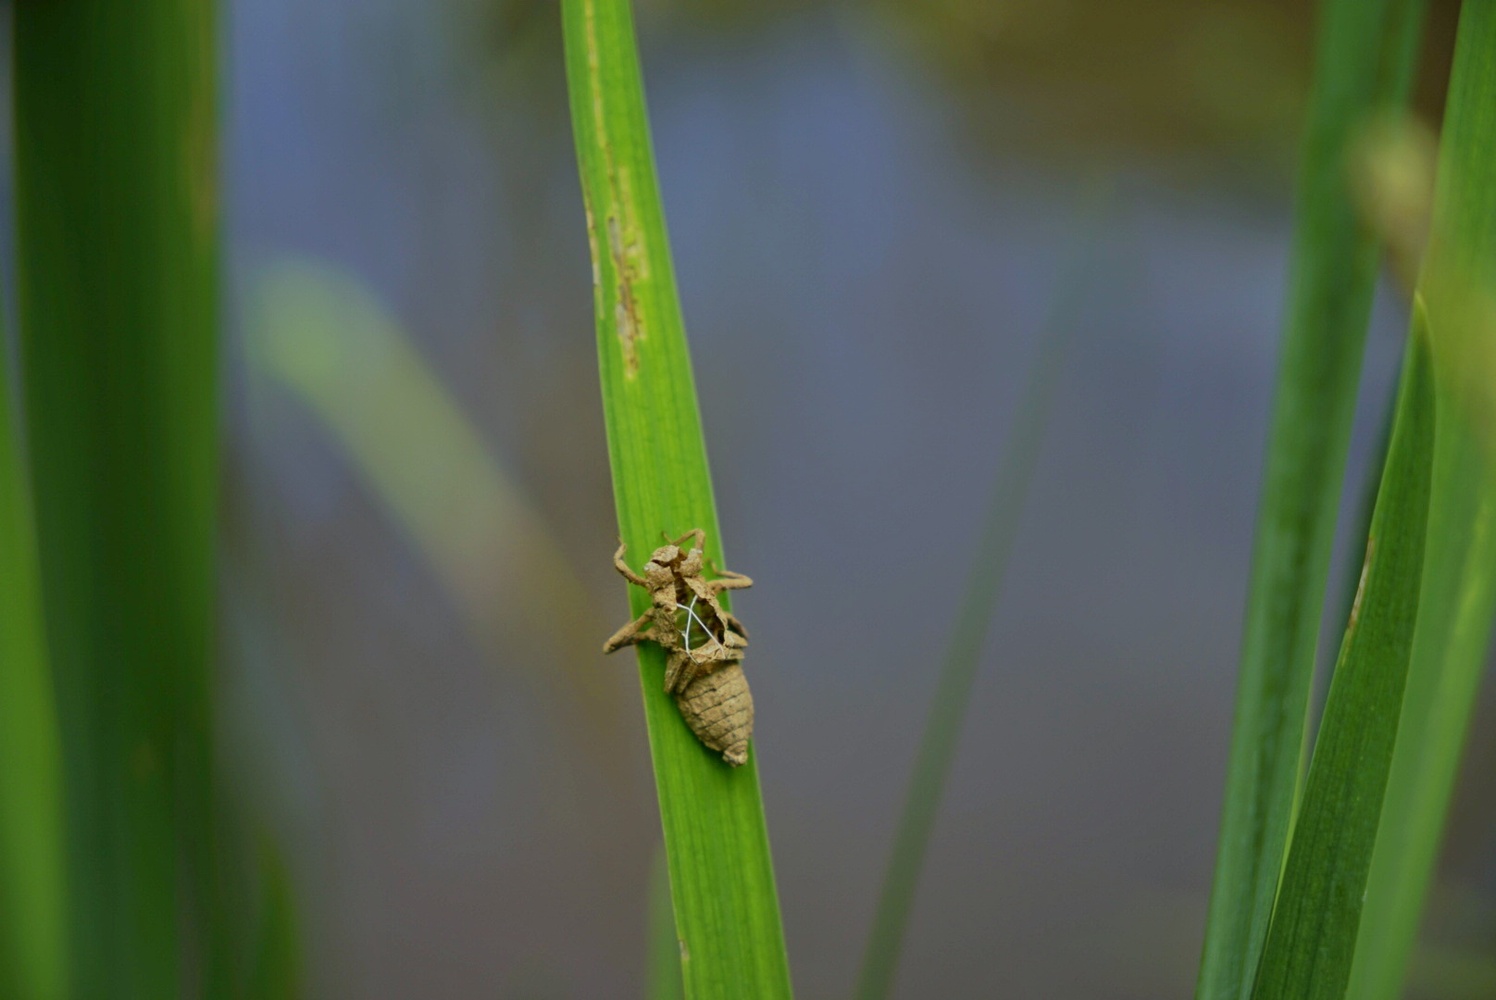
275	965
1363	67
1458	281
117	212
662	974
716	844
33	935
1311	941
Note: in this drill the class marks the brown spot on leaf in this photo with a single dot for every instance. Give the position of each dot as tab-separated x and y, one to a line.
627	309
1371	547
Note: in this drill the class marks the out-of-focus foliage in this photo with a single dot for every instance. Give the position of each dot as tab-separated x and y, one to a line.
839	312
117	208
984	585
33	946
662	975
1392	171
1458	282
1175	74
275	964
1365	60
1311	942
323	334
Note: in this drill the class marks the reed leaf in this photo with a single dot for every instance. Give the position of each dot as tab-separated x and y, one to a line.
1363	67
716	843
33	934
117	270
1458	282
1312	938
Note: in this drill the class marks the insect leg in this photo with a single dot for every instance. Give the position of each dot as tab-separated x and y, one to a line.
623	567
635	631
733	625
696	533
728	580
735	638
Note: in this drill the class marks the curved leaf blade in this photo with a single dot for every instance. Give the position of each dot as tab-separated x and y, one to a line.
1459	590
33	932
1363	66
1312	939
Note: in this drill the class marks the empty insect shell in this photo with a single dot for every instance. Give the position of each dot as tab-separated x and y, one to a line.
719	709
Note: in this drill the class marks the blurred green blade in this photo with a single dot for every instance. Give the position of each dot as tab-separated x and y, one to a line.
117	209
716	844
320	332
1459	590
662	971
33	946
1312	939
275	968
324	334
1363	67
942	733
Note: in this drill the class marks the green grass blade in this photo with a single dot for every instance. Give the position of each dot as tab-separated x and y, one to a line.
1363	67
716	843
1312	939
662	973
276	964
937	749
1459	595
117	207
33	935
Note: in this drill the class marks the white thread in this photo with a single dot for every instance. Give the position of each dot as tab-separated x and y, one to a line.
686	635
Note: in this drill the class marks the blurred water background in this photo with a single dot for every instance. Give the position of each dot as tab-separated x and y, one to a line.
871	208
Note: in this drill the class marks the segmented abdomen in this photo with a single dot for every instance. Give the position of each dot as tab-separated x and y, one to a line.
719	709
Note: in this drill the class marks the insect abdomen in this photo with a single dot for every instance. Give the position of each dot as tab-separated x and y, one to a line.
719	709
